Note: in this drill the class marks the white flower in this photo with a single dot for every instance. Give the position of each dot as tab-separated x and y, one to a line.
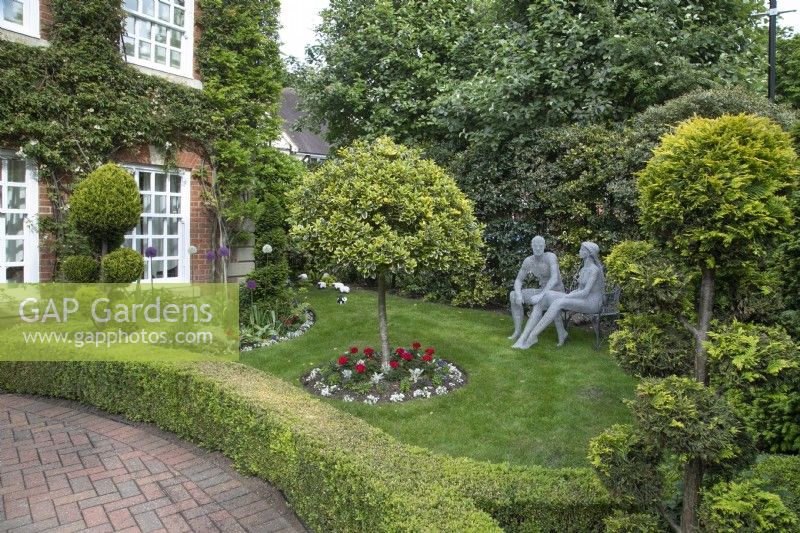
96	126
347	373
20	153
338	285
397	397
347	398
192	250
327	391
314	373
371	400
318	385
441	390
344	289
167	145
415	374
322	284
33	142
455	374
303	277
376	377
422	393
267	249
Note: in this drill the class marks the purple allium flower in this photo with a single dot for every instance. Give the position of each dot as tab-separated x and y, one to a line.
210	255
224	251
251	284
150	252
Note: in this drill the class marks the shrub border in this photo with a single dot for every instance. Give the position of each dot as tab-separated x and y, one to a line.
337	472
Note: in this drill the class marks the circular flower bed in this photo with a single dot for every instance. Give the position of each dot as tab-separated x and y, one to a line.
358	376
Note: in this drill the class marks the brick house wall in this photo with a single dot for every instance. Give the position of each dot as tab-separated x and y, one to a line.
201	221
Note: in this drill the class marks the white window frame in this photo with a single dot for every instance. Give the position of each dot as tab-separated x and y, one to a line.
30	214
187	49
184	228
30	20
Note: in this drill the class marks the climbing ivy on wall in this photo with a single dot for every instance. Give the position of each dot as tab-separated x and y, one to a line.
72	105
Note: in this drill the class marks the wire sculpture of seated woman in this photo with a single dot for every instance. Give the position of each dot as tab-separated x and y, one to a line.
587	298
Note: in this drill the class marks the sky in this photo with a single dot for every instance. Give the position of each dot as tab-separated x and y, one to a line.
300	17
298	20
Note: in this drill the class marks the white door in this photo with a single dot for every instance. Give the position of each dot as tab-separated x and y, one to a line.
19	204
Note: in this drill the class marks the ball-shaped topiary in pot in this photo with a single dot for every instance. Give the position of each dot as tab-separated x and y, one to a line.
122	266
106	204
80	269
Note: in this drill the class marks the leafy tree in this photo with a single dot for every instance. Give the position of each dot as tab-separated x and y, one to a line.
787	71
714	196
588	61
381	209
378	65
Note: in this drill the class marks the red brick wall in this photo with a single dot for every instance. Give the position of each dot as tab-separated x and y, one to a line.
45	18
201	223
47	259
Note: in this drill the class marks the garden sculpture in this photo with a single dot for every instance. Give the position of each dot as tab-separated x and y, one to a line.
587	298
544	266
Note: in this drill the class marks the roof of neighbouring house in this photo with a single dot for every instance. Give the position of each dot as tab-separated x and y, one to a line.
306	141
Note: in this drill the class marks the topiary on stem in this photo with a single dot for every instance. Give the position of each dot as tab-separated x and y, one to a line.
714	199
381	209
106	204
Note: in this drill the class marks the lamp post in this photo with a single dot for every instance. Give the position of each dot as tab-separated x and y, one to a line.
773	42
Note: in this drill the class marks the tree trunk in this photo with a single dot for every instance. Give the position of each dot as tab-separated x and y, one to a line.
704	313
693	470
383	325
692	478
103	249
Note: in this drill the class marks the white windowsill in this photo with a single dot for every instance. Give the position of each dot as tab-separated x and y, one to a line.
175	78
21	38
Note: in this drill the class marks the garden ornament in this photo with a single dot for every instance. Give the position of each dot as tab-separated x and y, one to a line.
587	298
544	266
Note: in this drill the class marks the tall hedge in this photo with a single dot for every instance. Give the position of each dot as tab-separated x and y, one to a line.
578	182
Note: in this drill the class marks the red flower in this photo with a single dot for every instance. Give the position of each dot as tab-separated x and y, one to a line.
430	351
343	360
361	369
353	350
399	350
368	351
407	356
416	346
394	364
427	358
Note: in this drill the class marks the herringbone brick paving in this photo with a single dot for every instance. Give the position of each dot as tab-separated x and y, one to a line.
65	467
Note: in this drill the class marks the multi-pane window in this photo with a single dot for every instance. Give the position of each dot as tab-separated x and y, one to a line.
163	225
20	16
158	34
19	243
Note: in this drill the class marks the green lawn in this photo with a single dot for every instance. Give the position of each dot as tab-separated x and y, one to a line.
537	406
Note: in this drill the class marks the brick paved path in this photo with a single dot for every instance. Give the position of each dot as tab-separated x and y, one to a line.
66	467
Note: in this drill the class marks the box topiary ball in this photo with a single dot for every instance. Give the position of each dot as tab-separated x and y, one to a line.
106	203
122	266
80	269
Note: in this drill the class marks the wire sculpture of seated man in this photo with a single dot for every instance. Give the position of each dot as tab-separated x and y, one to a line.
587	298
544	267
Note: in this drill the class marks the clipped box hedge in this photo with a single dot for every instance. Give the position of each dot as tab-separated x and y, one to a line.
338	472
